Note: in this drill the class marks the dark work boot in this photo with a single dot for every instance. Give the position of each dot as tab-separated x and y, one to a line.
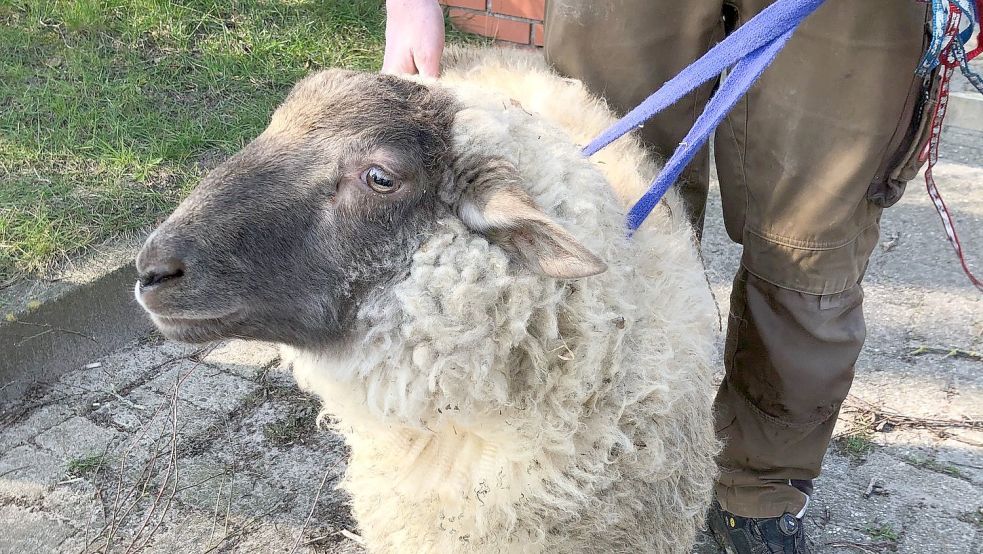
745	535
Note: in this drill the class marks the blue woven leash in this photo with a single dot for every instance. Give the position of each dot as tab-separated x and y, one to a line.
750	50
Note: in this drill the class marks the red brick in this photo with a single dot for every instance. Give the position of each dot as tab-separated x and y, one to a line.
473	4
529	9
538	35
490	26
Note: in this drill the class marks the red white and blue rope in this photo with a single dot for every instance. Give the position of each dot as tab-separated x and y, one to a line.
962	31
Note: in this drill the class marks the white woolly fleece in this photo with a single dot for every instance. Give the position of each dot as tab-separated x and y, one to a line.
492	410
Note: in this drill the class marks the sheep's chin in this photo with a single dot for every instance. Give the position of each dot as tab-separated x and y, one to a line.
193	330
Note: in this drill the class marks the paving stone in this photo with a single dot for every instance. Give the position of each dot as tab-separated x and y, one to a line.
270	538
186	532
839	512
303	467
40	420
147	414
75	503
957	456
281	538
966	400
292	419
204	386
207	482
926	532
76	438
915	485
28	472
146	419
880	387
300	469
244	358
24	531
123	367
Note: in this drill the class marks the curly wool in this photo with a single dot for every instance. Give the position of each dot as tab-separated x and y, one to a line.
492	410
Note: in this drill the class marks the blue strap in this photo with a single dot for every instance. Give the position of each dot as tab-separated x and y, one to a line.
971	76
940	23
772	22
740	79
752	47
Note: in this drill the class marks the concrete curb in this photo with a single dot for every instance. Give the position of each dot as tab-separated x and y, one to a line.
66	332
965	110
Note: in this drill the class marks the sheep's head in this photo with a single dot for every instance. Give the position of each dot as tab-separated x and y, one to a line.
286	239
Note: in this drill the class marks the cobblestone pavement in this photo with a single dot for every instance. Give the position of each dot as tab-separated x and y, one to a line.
171	448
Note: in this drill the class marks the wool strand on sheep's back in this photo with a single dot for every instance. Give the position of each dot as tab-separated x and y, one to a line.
492	410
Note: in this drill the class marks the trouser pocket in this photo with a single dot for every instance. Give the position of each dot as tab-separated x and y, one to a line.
904	160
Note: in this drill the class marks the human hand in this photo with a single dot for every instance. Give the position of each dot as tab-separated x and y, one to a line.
414	37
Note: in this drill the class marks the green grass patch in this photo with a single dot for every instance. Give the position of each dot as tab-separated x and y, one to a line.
86	465
856	447
111	106
882	532
932	464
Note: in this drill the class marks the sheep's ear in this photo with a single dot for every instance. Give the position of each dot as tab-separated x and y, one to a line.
508	216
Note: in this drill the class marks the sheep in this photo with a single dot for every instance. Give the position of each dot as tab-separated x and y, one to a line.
448	273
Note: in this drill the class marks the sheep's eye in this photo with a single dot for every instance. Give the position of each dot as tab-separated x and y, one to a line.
379	180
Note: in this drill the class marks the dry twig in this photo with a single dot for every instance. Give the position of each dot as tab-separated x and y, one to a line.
874	487
317	496
352	536
870	416
50	329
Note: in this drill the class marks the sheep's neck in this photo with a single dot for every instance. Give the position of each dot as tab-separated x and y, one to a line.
454	463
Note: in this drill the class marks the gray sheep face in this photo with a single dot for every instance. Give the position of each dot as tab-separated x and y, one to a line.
285	240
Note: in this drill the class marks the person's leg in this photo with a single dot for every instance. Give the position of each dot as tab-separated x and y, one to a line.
624	50
802	160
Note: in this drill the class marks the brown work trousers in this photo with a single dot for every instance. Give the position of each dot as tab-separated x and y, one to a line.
823	142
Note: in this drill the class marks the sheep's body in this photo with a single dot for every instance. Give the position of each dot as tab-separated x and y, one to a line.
490	410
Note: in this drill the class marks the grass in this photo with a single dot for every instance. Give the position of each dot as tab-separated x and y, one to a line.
856	446
85	465
111	108
882	532
932	464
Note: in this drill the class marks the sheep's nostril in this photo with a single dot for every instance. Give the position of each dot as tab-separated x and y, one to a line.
161	272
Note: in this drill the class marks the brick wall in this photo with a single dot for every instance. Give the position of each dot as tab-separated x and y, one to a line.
519	21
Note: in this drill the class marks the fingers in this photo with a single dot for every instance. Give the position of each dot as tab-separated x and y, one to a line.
427	54
424	61
398	63
414	37
427	63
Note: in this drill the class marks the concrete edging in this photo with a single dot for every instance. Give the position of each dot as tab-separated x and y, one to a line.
965	111
64	333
